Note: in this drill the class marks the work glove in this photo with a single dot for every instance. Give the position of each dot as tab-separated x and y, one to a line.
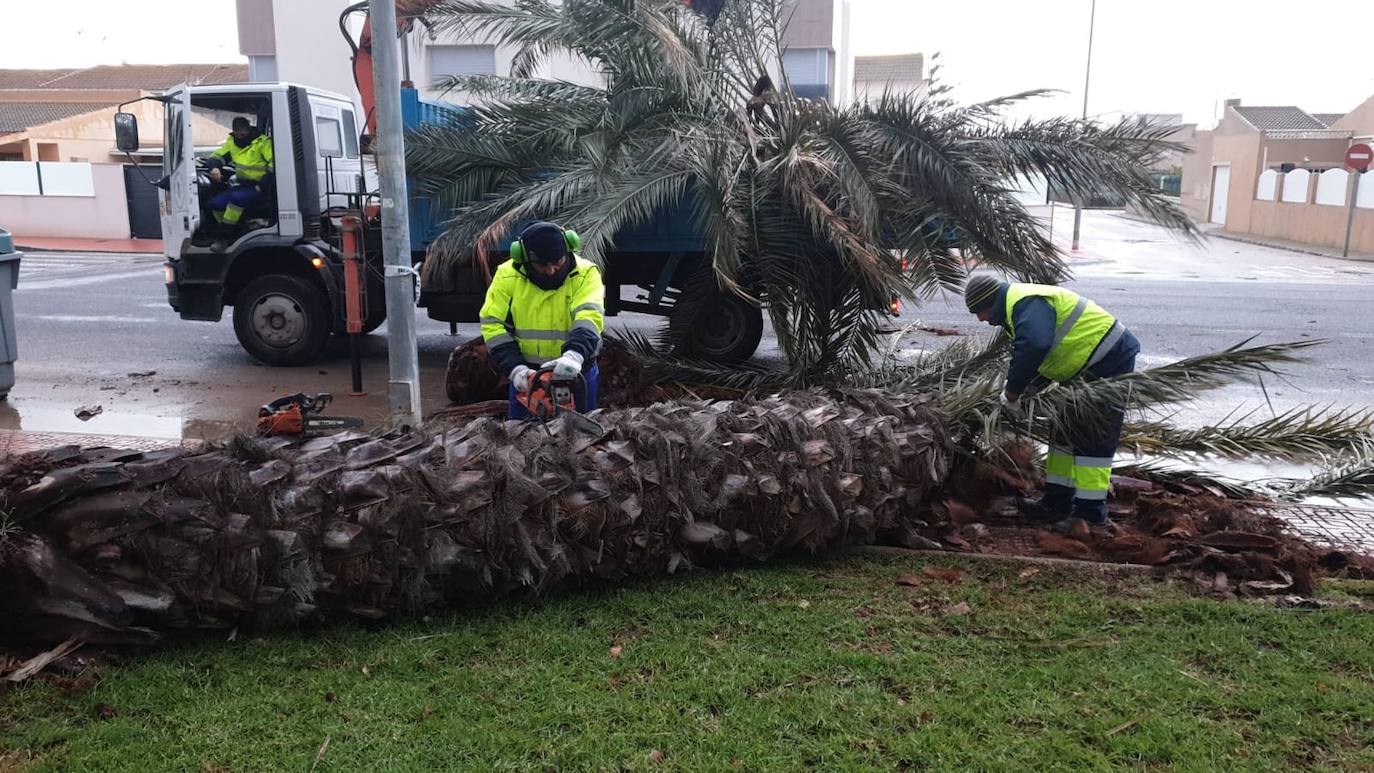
520	377
567	367
1011	406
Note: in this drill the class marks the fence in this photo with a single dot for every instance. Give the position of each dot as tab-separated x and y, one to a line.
1330	188
1313	207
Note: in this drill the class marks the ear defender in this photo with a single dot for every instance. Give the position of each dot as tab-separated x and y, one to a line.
517	252
573	241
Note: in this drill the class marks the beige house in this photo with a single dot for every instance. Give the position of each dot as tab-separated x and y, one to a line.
60	174
1278	172
66	115
875	75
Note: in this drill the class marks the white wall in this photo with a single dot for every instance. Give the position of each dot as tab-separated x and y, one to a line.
842	94
558	66
310	49
1295	186
1331	187
872	91
103	213
1364	195
1268	185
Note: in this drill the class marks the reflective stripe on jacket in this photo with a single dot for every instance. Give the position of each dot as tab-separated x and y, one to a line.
541	322
1079	326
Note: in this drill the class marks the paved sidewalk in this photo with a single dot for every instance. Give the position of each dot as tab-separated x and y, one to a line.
1282	244
54	244
16	442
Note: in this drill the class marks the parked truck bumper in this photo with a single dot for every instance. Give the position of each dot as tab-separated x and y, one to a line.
195	291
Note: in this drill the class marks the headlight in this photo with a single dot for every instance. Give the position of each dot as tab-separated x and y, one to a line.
169	274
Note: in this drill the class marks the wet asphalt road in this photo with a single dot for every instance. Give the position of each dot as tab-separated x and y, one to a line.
87	322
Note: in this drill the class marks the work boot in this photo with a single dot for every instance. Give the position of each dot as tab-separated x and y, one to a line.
1041	511
1079	527
225	237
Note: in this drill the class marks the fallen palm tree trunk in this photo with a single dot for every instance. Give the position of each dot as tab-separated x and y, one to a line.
123	547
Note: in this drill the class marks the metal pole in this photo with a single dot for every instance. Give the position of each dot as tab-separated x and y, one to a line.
403	393
1087	78
1350	219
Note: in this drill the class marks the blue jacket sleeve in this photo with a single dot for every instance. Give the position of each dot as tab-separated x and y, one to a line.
1034	317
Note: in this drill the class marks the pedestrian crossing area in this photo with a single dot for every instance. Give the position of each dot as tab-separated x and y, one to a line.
54	270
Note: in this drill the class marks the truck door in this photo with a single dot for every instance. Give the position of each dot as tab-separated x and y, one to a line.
181	200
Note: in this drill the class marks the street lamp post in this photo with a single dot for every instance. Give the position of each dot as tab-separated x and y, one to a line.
1087	78
403	389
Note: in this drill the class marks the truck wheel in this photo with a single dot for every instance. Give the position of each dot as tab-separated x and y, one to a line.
376	315
728	330
282	320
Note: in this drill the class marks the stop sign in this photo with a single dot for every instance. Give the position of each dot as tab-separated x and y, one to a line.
1358	157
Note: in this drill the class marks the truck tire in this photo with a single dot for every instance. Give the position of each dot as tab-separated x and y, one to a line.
373	321
282	320
727	331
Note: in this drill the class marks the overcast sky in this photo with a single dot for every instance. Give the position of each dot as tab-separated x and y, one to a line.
1160	56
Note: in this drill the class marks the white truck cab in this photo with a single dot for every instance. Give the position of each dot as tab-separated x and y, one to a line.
278	265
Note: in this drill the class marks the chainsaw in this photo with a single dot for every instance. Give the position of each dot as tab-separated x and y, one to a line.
547	396
299	414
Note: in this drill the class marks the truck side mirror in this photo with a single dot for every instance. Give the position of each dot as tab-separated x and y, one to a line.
126	132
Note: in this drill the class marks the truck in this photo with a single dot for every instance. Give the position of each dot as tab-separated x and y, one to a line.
282	273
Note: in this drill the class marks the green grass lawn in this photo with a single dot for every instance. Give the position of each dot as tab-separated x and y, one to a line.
819	665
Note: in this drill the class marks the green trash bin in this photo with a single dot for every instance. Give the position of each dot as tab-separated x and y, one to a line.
9	279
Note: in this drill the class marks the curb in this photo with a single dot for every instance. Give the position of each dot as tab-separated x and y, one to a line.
1287	247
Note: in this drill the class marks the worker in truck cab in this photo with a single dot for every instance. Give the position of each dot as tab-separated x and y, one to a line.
1058	336
545	309
250	151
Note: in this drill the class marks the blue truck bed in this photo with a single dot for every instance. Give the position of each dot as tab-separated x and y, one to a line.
671	230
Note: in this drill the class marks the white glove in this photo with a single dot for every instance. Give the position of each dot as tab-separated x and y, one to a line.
567	367
520	377
1010	405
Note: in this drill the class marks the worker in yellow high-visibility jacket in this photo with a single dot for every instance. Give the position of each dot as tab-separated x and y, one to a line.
250	151
545	306
1057	335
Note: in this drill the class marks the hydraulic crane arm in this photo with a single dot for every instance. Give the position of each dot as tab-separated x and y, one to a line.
407	13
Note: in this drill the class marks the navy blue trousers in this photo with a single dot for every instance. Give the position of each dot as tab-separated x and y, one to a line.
1097	441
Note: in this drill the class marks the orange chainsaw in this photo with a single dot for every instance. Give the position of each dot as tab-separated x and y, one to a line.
299	414
546	396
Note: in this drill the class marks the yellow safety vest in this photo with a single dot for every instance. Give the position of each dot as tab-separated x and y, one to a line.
251	163
539	320
1079	327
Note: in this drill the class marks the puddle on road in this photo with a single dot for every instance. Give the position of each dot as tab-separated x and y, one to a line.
18	415
218	422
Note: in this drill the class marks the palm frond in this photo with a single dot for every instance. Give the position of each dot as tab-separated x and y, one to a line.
1086	403
1349	476
803	207
661	368
1170	474
1300	434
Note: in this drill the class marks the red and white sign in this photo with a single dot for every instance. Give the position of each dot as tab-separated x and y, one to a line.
1359	157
